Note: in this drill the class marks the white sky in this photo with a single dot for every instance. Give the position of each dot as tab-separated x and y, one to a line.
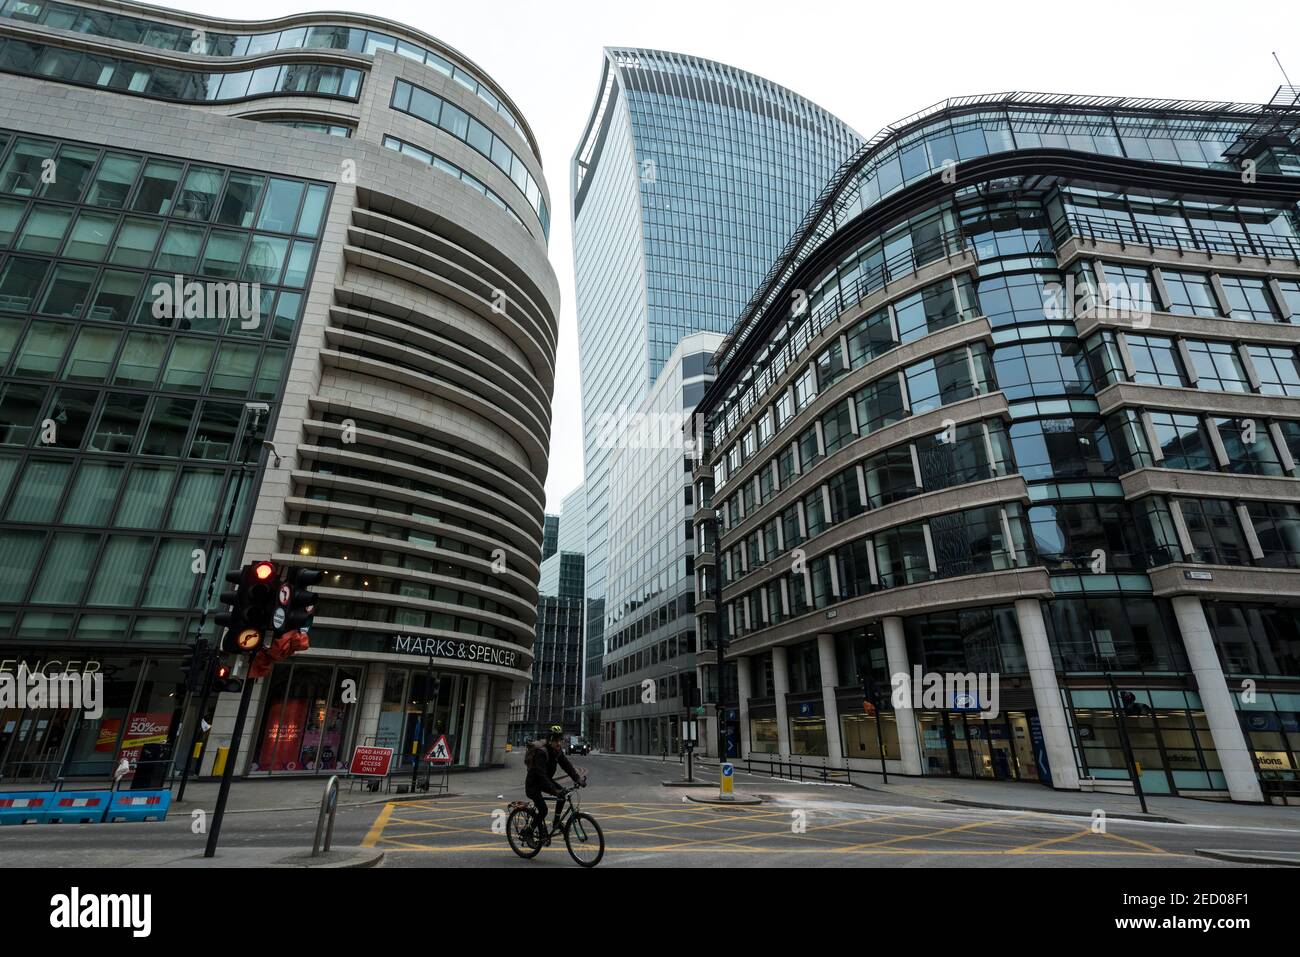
868	62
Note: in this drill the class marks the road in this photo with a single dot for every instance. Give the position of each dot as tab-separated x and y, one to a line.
647	824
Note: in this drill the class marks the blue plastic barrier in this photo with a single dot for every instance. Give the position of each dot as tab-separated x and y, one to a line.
139	806
77	807
21	807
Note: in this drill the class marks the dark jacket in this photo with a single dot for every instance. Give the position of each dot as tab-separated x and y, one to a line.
543	774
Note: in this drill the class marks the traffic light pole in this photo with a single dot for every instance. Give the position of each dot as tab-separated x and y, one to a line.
217	558
229	770
1124	741
208	668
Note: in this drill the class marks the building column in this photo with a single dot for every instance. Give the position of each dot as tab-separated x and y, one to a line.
1225	727
372	700
476	720
781	687
223	726
744	688
909	747
1052	719
830	679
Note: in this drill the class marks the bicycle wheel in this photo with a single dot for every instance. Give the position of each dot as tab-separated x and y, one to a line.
584	839
523	836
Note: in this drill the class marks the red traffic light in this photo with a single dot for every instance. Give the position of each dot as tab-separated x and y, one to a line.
263	570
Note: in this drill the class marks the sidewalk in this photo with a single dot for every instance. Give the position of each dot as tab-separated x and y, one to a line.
297	793
1026	796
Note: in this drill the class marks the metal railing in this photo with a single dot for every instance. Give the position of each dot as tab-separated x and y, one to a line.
1183	238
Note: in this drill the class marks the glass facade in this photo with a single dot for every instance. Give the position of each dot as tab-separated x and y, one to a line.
124	430
1146	409
184	39
688	179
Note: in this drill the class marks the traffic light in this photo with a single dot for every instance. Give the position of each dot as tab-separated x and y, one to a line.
252	607
296	602
223	681
195	665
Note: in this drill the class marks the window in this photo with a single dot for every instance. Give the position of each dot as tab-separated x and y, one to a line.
1218	366
836	427
1190	294
1249	447
902	557
1248	298
1041	369
1155	360
809	451
1216	535
889	476
1279	372
879	404
946	378
1183	441
846	501
805	388
872	336
1277	526
934	307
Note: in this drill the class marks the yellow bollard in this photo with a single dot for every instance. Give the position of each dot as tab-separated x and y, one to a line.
219	765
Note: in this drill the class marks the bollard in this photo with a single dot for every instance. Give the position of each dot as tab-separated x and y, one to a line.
329	803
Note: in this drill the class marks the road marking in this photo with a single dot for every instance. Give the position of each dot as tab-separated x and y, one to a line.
377	828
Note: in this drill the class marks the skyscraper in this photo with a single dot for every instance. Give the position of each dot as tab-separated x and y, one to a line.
688	179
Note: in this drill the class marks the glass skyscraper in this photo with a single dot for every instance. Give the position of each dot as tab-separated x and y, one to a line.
688	180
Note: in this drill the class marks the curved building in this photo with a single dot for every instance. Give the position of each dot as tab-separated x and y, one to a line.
1020	401
378	408
689	177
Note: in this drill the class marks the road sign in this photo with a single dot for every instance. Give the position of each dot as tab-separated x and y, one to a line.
371	762
439	753
728	777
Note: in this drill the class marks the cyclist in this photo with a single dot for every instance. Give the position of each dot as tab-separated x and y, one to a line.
541	759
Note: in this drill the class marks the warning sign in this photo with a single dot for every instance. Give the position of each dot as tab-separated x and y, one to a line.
439	753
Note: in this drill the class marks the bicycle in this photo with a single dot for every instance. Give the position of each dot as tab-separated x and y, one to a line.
582	834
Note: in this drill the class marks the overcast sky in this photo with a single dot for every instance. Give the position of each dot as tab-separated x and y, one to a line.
868	62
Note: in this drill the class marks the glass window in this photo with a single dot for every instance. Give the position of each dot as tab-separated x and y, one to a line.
157	187
214	438
1190	294
93	354
1183	441
42	350
1278	370
118	423
39	491
68	562
141	359
120	571
1216	535
265	260
44	229
280	211
91	500
27	162
19	281
68	289
168	426
1155	361
180	248
91	234
243	190
1248	298
135	242
113	181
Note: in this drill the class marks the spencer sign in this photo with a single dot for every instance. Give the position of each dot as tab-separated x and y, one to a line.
455	648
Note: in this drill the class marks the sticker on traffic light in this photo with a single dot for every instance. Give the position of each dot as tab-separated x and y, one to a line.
253	605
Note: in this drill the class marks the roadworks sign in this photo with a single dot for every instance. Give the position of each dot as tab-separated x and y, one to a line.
439	753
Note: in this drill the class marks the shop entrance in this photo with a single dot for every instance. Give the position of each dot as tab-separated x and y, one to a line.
966	745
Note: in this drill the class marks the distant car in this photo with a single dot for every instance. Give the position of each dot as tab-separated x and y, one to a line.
579	747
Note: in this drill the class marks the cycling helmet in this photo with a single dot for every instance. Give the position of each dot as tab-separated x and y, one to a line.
556	732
